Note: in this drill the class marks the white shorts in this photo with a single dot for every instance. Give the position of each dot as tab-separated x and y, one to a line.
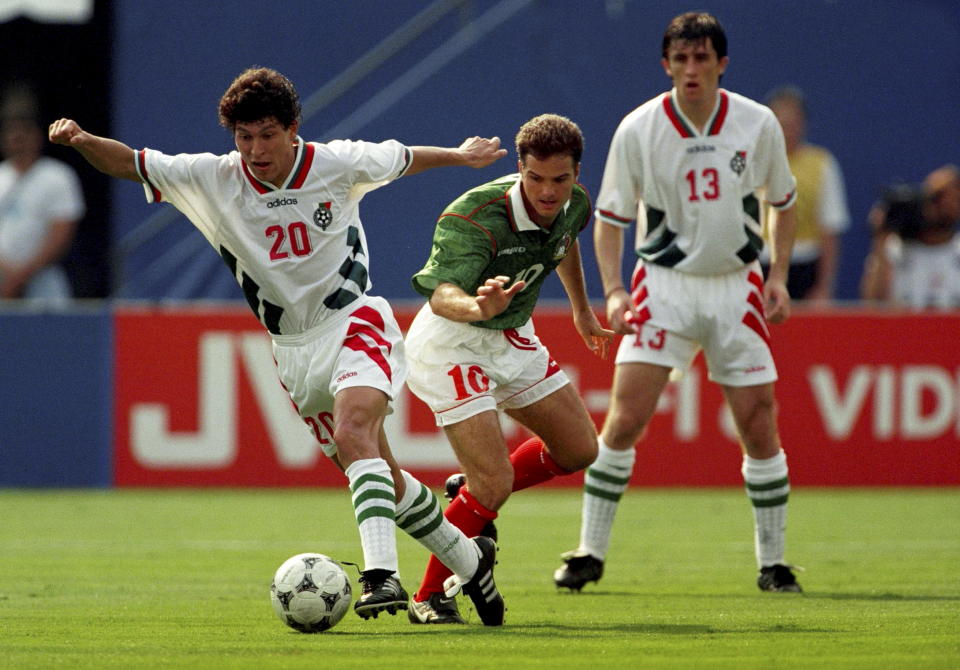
363	346
682	313
460	370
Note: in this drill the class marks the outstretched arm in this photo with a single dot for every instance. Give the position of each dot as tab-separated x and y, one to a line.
109	156
452	302
474	152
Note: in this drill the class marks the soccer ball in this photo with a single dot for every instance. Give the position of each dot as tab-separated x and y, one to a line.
310	592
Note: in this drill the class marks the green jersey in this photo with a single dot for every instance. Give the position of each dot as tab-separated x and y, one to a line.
487	232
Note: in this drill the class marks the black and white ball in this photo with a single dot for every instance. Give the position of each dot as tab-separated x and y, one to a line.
310	592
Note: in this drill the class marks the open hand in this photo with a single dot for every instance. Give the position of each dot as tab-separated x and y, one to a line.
481	151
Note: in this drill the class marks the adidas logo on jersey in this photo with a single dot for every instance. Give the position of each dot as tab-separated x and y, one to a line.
280	202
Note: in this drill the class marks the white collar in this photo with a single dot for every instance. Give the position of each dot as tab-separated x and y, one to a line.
520	216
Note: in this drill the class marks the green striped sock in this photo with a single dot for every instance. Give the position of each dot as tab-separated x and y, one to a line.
768	488
374	503
420	516
603	485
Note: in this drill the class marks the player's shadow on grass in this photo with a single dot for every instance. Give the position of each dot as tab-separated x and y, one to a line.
904	597
579	630
546	630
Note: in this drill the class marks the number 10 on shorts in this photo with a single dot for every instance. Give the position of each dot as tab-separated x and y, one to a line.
468	380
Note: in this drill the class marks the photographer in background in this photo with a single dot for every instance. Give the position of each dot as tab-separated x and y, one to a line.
915	257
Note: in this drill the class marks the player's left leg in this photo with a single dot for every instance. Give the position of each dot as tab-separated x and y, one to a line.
766	479
568	444
566	439
420	516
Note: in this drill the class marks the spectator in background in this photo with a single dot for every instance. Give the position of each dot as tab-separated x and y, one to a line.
822	214
914	260
41	202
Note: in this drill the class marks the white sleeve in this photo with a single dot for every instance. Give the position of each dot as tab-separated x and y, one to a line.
781	186
186	181
833	213
621	185
371	165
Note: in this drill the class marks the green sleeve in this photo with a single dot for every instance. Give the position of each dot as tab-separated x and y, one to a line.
461	251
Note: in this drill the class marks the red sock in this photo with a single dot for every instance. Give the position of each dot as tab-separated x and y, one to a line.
533	464
468	515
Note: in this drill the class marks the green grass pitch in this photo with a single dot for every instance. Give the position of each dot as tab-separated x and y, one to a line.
179	579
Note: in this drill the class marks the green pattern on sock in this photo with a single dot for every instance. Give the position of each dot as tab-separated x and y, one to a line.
769	502
606	477
370	512
370	479
602	493
768	486
370	494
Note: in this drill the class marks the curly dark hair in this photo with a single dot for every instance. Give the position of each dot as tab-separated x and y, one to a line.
259	93
547	135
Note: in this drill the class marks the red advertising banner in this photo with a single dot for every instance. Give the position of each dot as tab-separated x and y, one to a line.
865	398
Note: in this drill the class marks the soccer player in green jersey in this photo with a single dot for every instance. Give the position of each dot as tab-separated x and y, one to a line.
472	349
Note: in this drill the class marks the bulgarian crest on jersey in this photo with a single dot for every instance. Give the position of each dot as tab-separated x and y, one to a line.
739	162
562	247
322	216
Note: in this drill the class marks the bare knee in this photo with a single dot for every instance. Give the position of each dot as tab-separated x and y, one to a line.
576	455
758	428
624	427
354	442
491	486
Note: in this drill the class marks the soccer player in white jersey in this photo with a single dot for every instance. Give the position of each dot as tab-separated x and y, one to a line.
694	163
283	215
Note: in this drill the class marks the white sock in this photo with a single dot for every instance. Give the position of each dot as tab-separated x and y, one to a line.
419	515
374	503
603	485
768	488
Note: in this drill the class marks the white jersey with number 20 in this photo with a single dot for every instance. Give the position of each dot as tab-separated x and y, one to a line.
298	252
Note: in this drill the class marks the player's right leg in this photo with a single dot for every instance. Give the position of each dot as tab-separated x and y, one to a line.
341	388
358	432
663	341
636	389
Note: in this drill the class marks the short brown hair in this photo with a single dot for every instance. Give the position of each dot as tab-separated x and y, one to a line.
547	135
695	27
257	94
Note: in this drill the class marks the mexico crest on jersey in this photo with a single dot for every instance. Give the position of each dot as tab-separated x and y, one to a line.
739	162
562	247
322	216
